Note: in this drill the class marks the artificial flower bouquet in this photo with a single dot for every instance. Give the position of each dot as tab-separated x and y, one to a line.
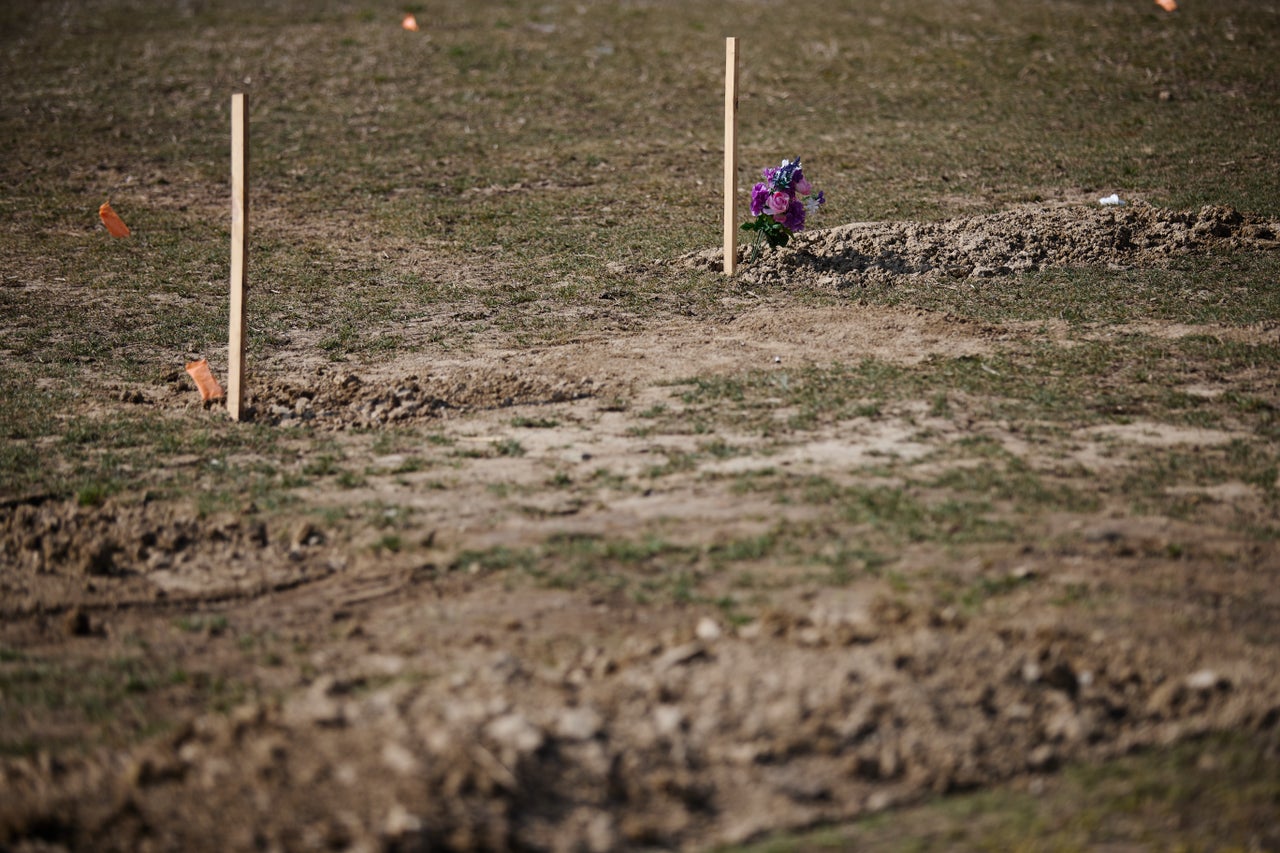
780	203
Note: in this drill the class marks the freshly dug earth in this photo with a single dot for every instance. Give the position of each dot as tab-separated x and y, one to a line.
520	663
1035	238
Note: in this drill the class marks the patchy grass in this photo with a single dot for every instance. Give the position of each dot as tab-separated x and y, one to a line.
1086	383
1216	793
91	702
1233	289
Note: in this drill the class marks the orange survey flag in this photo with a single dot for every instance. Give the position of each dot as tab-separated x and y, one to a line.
410	23
209	387
115	225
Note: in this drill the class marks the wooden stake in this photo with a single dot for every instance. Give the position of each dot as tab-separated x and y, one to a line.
239	251
730	156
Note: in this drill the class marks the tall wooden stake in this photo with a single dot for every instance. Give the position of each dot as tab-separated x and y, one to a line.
730	156
239	251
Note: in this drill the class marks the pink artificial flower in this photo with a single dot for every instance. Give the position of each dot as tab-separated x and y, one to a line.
778	203
802	186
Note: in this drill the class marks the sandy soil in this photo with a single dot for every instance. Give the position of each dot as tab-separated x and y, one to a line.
435	701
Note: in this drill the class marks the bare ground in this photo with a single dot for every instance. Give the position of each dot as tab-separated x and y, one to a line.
450	687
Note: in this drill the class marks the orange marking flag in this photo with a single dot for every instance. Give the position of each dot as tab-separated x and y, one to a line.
1168	5
410	23
209	387
114	223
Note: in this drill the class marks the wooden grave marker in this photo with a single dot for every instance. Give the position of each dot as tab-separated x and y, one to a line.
239	251
731	156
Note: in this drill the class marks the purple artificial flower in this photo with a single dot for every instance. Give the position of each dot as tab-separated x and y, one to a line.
794	220
759	198
802	184
812	204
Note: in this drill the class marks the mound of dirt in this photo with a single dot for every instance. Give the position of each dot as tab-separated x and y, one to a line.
1137	235
343	400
